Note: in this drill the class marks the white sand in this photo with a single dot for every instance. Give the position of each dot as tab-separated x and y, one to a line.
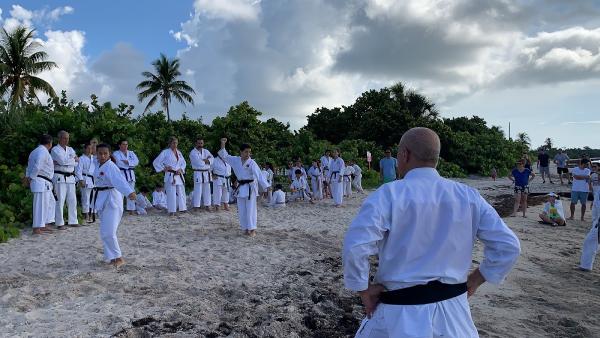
196	275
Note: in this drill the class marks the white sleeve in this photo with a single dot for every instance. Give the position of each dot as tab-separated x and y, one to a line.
158	162
79	170
262	181
368	228
134	160
182	162
210	157
117	180
501	245
34	168
225	156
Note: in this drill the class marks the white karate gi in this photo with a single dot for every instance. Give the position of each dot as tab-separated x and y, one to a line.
423	228
278	199
357	182
109	205
174	183
202	176
64	184
336	172
246	193
348	172
590	246
128	171
85	172
595	178
141	204
325	163
159	199
300	188
316	182
270	175
40	165
221	181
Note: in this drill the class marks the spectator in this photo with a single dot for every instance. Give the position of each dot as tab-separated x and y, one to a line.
526	161
388	167
553	212
581	186
561	160
544	165
521	177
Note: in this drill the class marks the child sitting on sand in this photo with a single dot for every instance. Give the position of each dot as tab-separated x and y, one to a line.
142	203
299	187
278	198
159	198
553	212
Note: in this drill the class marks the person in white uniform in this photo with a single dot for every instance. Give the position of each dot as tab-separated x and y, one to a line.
65	161
108	194
278	199
348	172
159	198
221	183
595	182
249	180
357	181
316	180
85	175
423	229
336	174
127	160
299	188
171	162
592	240
38	176
201	160
325	161
142	204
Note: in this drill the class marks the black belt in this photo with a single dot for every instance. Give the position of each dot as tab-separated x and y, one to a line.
432	292
90	176
242	182
334	173
127	173
227	180
176	173
93	198
204	170
49	180
64	173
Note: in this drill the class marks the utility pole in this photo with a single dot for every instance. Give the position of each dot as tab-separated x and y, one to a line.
509	138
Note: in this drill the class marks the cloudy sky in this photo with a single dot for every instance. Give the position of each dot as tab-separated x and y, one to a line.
533	63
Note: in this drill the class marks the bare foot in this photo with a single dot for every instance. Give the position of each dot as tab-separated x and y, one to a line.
252	233
171	214
117	262
524	216
570	218
37	231
60	227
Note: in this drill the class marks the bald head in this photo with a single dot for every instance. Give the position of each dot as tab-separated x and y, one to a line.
423	144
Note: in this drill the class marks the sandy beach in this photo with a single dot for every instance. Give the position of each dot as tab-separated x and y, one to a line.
196	275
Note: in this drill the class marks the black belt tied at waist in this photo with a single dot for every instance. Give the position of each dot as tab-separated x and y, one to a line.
64	173
334	174
175	173
93	198
227	180
432	292
90	176
52	184
127	173
242	182
203	171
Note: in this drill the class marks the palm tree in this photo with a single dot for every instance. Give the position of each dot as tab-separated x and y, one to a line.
164	84
524	139
20	61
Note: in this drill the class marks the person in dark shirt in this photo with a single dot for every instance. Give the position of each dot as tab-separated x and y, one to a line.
544	165
521	177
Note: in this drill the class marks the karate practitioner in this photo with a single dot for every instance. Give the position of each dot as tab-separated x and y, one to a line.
423	229
201	159
590	246
316	180
299	188
85	175
336	174
110	187
159	198
348	172
127	160
357	182
325	161
171	162
249	180
221	183
64	181
38	176
142	203
278	199
268	175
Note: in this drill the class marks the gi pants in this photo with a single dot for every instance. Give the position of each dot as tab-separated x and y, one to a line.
175	197
40	208
450	318
85	199
109	223
130	204
65	192
357	183
201	194
337	190
247	212
317	189
590	247
347	186
220	193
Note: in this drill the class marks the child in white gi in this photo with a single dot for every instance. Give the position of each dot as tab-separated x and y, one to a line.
316	180
299	187
336	173
221	173
348	172
278	199
85	174
142	203
108	201
159	198
357	181
249	180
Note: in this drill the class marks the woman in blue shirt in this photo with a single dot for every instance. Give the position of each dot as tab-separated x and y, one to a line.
521	177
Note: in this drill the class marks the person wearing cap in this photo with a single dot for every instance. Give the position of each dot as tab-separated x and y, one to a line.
423	229
553	212
581	187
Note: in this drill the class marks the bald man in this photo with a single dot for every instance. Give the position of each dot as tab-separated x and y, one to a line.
423	229
65	160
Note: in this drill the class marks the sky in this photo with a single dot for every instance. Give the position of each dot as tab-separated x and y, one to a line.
532	63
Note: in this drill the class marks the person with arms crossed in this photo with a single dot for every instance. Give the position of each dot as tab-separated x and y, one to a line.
423	229
171	162
38	176
581	186
127	160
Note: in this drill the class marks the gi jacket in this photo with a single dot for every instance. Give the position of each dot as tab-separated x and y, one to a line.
248	170
109	175
40	163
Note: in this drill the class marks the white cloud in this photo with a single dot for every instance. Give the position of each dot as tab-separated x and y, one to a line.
228	9
20	16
